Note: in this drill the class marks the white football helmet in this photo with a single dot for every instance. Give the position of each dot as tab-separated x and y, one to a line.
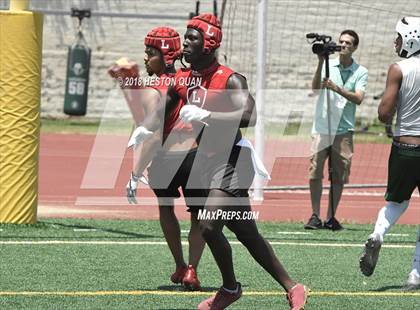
409	29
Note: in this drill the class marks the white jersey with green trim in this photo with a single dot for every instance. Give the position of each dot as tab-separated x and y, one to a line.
408	106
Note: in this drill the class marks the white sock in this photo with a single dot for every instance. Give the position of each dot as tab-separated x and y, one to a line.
416	258
232	291
388	216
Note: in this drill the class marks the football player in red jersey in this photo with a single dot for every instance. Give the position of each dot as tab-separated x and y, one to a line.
172	148
218	107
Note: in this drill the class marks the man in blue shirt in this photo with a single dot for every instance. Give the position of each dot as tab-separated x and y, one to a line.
346	87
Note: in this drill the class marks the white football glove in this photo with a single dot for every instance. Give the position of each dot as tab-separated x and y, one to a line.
139	135
132	187
191	113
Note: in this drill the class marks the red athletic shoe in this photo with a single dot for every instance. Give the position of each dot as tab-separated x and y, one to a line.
178	275
221	300
297	296
190	279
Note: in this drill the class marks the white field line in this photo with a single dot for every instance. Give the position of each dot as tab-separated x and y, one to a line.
347	192
293	233
279	232
174	293
94	242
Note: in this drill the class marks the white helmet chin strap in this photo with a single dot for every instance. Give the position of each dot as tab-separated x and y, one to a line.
409	29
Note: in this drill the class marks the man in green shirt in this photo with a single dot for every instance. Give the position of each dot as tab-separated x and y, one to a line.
346	87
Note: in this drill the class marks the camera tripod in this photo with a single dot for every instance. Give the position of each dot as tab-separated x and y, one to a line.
330	138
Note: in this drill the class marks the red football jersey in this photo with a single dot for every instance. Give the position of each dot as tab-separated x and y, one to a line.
172	121
205	88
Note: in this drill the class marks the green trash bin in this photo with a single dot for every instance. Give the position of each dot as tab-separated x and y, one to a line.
77	79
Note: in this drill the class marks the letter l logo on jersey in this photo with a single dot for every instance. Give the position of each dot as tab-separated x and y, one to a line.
197	95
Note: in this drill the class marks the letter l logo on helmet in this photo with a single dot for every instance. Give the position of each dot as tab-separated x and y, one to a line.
163	45
208	31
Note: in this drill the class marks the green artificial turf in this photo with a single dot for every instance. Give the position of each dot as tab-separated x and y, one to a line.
111	259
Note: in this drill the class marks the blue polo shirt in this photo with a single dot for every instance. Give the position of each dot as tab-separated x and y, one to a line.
342	111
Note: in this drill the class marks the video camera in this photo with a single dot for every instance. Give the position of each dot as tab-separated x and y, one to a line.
80	14
322	44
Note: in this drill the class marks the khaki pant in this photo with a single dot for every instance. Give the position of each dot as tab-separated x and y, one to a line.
341	152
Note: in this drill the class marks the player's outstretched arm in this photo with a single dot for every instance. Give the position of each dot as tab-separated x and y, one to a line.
148	151
126	72
150	99
154	120
389	100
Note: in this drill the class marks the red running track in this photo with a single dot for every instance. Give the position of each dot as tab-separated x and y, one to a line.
72	186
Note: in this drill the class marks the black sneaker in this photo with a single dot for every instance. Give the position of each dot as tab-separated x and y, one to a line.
369	257
333	224
313	223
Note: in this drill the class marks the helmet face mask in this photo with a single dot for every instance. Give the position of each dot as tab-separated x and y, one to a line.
409	29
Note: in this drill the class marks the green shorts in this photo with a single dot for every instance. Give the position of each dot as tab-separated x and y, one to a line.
403	172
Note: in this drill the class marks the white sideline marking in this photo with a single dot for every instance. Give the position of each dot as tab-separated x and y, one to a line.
293	233
94	242
84	229
347	192
112	201
189	294
399	235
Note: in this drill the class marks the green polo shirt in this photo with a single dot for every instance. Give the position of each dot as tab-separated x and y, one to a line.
343	112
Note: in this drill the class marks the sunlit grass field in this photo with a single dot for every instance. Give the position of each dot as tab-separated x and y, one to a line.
95	264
